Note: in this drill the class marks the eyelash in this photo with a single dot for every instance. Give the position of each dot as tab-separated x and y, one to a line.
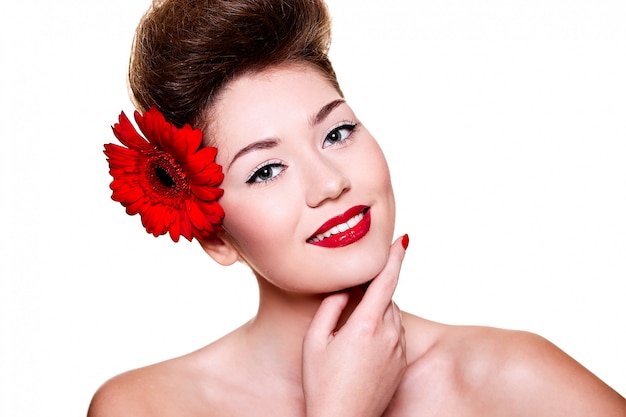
349	126
254	177
256	172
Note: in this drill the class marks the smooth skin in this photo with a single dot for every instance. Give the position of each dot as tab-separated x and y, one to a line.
320	345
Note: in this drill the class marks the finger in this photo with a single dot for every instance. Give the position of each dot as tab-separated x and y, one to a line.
326	318
392	313
379	293
393	317
396	316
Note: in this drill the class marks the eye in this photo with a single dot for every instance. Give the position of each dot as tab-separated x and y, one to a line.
266	172
338	134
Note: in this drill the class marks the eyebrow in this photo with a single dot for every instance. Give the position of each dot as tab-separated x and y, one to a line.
325	111
254	146
273	142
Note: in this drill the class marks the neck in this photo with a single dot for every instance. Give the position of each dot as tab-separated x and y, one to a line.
277	331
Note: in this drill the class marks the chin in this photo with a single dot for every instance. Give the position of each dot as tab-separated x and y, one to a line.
363	269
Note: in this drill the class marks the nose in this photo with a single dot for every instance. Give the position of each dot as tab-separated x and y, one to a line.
325	181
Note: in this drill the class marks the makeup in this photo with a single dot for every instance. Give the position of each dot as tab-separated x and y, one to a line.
405	241
344	229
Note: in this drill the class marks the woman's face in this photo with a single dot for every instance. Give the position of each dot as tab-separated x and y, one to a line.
297	162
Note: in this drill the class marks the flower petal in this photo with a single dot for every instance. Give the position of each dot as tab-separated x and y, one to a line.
206	193
126	133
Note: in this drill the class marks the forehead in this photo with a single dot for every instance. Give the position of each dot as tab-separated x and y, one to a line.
264	103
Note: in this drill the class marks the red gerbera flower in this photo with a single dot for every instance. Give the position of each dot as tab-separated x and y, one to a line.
167	179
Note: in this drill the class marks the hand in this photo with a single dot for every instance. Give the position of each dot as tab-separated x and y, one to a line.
356	370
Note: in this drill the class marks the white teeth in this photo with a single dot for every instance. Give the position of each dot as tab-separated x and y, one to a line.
353	221
339	228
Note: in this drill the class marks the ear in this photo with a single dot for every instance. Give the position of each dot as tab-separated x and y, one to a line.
221	250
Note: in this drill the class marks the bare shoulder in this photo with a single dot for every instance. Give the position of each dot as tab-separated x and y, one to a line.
530	373
473	370
140	392
120	396
175	387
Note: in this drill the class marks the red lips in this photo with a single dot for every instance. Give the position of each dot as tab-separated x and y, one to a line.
359	214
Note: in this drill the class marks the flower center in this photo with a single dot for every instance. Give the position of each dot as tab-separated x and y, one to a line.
165	178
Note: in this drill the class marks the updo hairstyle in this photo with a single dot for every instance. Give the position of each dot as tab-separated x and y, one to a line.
185	51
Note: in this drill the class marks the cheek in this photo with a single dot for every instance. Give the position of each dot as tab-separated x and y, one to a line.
266	241
260	226
376	178
374	175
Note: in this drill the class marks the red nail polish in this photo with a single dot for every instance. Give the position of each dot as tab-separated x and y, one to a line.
405	241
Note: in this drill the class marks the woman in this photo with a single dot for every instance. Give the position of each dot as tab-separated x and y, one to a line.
299	191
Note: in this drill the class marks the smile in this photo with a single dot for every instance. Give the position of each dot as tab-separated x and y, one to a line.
343	229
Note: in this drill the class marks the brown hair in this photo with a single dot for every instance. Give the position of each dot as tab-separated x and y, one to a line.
185	51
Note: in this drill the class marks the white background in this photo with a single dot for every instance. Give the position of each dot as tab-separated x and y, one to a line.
504	124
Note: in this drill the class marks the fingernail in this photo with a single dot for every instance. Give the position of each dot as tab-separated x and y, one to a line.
405	241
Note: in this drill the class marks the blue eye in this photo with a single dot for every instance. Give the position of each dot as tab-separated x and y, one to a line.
338	134
266	172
